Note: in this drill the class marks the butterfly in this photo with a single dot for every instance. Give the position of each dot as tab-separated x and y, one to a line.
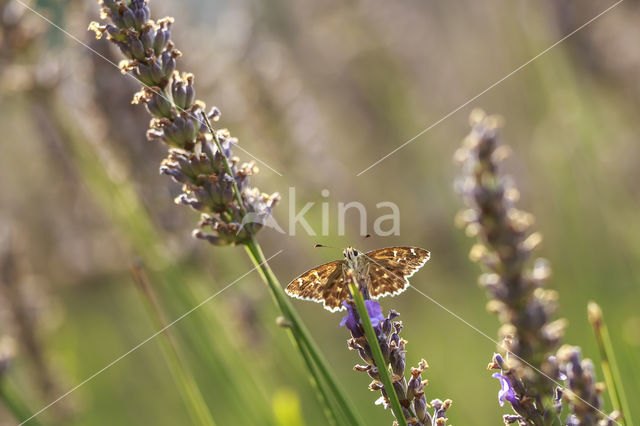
385	270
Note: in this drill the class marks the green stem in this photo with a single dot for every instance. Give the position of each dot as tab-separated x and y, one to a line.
301	336
320	388
610	370
15	404
187	385
383	369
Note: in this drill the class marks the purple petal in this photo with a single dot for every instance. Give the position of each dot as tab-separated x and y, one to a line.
506	391
349	320
375	312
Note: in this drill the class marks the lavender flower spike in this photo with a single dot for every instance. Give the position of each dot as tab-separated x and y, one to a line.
583	392
194	159
505	244
516	288
410	393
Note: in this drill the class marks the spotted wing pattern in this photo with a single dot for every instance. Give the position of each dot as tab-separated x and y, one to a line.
336	291
391	267
323	284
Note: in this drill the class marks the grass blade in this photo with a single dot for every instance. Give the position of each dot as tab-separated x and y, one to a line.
14	402
187	385
608	362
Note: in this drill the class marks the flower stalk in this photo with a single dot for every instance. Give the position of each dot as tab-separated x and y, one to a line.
376	352
321	376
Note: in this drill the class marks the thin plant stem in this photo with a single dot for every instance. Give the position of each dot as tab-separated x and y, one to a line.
378	358
15	404
608	363
300	335
315	379
187	385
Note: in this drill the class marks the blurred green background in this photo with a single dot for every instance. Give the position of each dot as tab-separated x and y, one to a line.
319	91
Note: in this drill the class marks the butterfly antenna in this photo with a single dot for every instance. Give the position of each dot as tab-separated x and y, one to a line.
322	246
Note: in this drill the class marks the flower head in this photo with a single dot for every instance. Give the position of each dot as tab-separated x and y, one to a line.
214	182
411	394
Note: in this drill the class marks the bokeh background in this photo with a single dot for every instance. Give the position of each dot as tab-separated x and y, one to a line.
319	91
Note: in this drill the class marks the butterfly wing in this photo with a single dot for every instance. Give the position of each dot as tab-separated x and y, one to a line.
336	291
323	283
391	267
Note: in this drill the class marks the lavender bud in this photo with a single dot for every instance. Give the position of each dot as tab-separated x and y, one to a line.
141	16
397	359
400	387
420	407
386	326
414	387
126	51
182	91
118	21
168	66
147	38
159	106
143	73
407	415
114	32
128	17
386	350
160	40
394	340
137	49
156	73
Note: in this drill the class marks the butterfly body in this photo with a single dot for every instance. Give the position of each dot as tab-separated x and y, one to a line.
382	272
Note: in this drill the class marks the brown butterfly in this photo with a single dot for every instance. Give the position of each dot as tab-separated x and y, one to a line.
386	270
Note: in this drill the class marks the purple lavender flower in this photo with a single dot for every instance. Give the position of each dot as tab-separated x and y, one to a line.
199	158
410	394
506	392
352	322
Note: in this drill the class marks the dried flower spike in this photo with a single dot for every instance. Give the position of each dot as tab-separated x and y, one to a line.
198	158
530	371
505	244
